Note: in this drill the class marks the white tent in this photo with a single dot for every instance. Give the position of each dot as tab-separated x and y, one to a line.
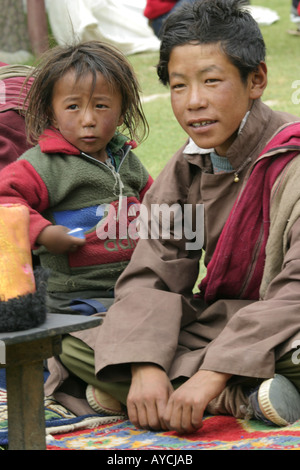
120	22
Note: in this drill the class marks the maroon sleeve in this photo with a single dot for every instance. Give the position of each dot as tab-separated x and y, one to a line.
13	141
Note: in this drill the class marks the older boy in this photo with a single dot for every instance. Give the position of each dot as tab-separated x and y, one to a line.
219	351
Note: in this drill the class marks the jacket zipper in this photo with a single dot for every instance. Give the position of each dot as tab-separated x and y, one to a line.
115	173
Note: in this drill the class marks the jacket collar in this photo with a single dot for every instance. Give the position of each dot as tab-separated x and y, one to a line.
52	141
261	121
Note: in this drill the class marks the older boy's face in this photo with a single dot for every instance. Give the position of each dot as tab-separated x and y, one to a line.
208	97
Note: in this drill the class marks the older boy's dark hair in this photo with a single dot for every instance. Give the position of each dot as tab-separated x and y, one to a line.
227	22
84	58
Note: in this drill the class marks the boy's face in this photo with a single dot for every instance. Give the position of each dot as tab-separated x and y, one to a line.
208	97
87	121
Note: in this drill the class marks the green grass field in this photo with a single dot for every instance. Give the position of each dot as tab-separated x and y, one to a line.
283	60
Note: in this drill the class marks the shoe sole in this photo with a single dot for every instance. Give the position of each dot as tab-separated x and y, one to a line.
99	408
266	406
268	409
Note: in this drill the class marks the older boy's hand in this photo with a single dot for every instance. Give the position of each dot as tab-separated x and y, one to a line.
187	404
57	241
148	396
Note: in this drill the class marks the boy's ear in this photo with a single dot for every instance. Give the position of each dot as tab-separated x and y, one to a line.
121	120
259	80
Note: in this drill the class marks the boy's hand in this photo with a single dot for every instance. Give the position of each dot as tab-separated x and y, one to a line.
148	396
187	404
57	241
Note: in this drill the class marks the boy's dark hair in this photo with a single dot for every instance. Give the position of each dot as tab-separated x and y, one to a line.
227	22
84	58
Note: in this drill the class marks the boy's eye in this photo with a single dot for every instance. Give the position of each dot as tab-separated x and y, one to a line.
101	106
212	80
73	106
177	86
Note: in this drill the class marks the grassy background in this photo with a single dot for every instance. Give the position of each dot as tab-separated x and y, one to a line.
166	136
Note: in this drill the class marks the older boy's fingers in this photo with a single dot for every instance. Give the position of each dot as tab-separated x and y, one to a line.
186	420
183	418
163	424
197	417
172	415
150	416
146	416
159	423
143	420
153	420
133	414
176	420
143	416
168	413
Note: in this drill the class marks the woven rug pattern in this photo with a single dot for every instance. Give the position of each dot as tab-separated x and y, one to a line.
58	419
65	431
217	433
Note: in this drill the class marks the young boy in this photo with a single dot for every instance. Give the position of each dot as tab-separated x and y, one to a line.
218	351
82	111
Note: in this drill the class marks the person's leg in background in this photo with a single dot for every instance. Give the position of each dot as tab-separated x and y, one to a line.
295	17
157	23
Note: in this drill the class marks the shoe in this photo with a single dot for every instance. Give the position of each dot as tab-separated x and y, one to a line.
102	402
294	16
276	401
294	32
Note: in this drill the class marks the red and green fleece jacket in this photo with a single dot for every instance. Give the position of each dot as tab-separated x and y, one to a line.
61	185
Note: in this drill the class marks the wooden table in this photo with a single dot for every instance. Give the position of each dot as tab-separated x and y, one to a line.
22	354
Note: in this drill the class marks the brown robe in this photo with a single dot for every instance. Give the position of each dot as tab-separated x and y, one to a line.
155	317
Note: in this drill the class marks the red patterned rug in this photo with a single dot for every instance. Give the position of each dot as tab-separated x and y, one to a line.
217	433
65	431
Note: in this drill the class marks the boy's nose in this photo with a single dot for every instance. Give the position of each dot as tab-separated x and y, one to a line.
197	99
88	119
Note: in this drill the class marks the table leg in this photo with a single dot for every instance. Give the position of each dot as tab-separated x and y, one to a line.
25	402
25	392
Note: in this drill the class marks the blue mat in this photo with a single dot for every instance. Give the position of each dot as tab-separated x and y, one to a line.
3	378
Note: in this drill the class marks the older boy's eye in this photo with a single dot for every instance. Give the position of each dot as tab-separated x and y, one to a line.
212	80
177	86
